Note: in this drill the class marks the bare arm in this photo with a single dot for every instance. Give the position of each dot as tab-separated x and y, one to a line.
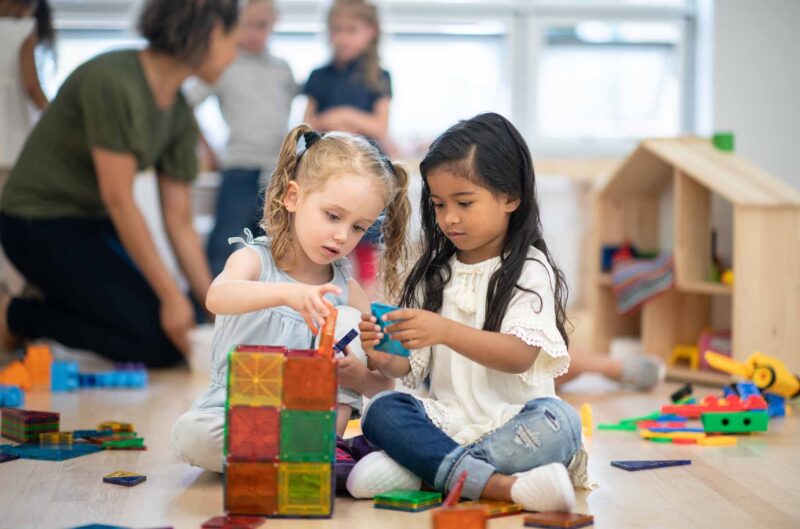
30	77
176	210
310	115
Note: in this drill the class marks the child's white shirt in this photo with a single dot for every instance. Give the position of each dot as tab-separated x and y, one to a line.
469	400
17	113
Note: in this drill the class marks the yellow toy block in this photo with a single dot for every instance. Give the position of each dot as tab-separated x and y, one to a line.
255	379
647	434
766	372
689	353
116	426
718	440
55	438
304	489
586	420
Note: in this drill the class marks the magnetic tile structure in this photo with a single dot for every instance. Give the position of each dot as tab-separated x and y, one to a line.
25	426
280	430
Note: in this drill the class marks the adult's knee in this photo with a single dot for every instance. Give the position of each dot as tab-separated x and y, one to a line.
197	438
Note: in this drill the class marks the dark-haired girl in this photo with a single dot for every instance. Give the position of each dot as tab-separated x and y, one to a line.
69	221
485	320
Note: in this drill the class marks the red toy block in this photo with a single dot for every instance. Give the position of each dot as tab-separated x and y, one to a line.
233	522
309	381
16	375
712	404
251	488
253	433
38	362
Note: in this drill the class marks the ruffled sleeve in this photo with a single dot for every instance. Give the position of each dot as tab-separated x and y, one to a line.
420	361
531	317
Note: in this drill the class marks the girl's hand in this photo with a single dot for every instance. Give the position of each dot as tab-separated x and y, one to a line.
416	328
352	372
371	335
309	302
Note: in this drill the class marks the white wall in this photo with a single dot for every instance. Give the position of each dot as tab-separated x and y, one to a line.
757	81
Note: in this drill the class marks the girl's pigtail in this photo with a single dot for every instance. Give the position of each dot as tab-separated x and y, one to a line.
395	234
277	219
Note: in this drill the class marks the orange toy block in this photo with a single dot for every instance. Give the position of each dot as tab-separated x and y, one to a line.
16	375
38	362
327	338
251	488
309	381
462	518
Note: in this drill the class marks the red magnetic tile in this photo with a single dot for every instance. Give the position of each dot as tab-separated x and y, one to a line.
251	488
253	433
309	382
233	522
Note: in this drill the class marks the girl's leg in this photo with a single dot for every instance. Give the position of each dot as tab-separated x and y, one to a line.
198	436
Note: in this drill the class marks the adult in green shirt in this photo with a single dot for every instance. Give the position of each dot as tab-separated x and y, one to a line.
68	220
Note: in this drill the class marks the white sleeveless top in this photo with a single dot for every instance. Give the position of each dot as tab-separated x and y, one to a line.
16	110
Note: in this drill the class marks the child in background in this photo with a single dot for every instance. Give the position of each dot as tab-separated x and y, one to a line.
24	24
325	192
486	322
352	93
255	95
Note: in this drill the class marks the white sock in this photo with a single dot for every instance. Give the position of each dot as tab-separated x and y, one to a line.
378	473
546	488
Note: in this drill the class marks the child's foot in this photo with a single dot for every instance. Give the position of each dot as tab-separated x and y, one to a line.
546	488
642	373
378	473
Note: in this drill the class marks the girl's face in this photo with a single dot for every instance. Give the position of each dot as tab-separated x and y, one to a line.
256	21
473	218
329	221
350	37
221	53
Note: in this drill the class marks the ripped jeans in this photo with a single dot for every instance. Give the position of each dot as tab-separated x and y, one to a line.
546	430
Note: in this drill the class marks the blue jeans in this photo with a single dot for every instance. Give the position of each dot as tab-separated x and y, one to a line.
240	204
546	430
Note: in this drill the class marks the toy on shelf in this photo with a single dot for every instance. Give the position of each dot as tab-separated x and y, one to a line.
64	376
24	426
280	429
766	372
387	345
727	277
11	397
633	466
689	353
38	360
15	374
559	520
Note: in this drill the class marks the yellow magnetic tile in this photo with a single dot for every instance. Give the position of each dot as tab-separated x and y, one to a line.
256	379
304	489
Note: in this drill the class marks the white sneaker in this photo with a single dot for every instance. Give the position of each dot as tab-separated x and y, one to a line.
378	473
546	488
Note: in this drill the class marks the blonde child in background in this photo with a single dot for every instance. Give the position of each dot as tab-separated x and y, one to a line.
485	321
352	93
326	191
255	95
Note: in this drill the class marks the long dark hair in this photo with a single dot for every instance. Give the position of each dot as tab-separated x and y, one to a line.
45	34
489	151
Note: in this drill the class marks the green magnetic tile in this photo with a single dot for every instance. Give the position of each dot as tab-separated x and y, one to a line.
308	436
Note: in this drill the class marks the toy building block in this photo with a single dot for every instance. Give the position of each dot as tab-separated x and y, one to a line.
386	344
4	457
116	426
586	420
15	374
632	466
558	520
768	373
647	434
251	488
718	440
739	422
467	517
746	389
627	427
654	425
672	429
233	522
776	405
649	417
493	508
344	342
308	436
126	479
408	500
57	438
683	392
24	426
689	353
713	404
38	361
309	381
50	453
136	443
64	376
327	333
305	489
255	378
11	397
253	433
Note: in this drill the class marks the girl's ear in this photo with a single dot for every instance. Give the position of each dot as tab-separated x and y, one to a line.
292	196
509	205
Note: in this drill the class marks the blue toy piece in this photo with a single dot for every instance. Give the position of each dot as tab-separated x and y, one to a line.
344	342
746	389
645	464
64	376
125	378
670	417
7	457
386	344
50	453
776	405
11	397
727	391
671	429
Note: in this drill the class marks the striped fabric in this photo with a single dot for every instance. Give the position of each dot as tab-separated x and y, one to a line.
636	281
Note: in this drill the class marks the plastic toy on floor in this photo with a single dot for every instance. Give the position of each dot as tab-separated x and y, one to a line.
11	397
766	372
453	516
558	520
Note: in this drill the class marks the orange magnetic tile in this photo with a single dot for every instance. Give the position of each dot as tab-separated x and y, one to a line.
309	382
255	379
251	488
462	518
253	433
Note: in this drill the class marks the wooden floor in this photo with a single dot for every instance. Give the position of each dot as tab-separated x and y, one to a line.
755	484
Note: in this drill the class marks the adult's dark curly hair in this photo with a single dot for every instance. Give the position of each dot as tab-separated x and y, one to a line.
182	28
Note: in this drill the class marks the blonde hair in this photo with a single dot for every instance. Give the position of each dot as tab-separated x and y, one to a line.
368	13
334	154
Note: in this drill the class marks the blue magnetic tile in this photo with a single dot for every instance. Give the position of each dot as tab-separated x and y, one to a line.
746	389
4	457
344	342
386	344
50	453
670	430
126	481
100	526
670	417
649	464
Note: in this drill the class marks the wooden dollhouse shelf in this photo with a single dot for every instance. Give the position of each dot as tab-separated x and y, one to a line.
701	377
680	179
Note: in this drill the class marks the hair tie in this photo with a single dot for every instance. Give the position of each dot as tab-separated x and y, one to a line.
388	163
305	142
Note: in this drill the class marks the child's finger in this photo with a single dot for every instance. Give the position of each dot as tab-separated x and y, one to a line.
398	315
403	335
366	316
329	288
310	324
319	306
398	327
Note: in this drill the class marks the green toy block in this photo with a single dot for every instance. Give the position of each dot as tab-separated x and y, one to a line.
723	141
308	436
124	443
660	440
627	426
400	496
649	417
738	422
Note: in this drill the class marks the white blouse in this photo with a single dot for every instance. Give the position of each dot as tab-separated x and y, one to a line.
468	400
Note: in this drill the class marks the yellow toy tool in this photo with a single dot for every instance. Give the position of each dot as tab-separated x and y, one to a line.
767	373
